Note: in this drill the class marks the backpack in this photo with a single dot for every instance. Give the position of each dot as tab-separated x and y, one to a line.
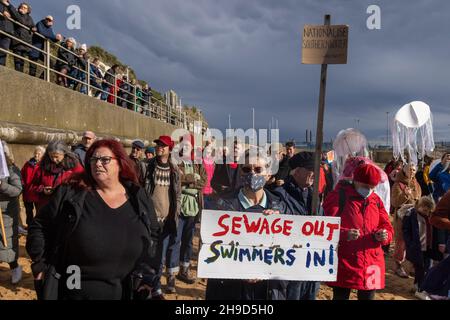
189	197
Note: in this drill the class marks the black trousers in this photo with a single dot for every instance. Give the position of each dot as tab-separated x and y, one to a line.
344	294
5	43
421	269
29	206
18	62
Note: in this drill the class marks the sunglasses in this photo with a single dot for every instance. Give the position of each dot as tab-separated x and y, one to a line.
257	170
104	160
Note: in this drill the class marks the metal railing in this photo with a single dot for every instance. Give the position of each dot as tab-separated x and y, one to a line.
121	93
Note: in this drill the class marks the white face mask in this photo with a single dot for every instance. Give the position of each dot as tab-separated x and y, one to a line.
364	192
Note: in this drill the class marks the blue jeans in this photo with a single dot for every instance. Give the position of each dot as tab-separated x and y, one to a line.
186	228
82	78
208	202
168	254
105	87
302	290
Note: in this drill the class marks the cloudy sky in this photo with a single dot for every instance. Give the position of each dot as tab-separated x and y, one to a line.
229	56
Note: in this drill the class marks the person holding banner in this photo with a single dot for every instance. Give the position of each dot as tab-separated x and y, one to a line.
10	189
297	192
365	228
251	197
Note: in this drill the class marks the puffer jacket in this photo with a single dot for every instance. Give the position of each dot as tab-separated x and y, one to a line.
10	189
361	262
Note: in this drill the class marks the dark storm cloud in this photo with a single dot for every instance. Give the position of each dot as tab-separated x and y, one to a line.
229	56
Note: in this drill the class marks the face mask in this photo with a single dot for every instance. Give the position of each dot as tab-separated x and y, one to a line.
253	181
364	192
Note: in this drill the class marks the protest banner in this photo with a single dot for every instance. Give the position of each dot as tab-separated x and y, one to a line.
243	245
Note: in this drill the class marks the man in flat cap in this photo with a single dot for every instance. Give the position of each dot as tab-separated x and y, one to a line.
297	192
137	148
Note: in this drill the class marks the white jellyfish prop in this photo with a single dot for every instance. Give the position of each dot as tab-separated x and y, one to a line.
348	143
412	131
352	143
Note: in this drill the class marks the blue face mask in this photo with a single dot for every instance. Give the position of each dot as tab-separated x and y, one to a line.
364	192
254	182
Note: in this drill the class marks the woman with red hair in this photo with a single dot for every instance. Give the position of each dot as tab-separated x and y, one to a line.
102	222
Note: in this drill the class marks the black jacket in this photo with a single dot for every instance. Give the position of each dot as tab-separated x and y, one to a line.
24	34
411	235
110	77
59	218
283	169
225	180
5	24
69	58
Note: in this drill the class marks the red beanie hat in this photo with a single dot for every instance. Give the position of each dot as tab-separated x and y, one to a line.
367	174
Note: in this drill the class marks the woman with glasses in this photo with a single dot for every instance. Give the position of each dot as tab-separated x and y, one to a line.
251	197
57	165
109	232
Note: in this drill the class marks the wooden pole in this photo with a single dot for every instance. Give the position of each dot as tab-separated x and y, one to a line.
319	132
5	243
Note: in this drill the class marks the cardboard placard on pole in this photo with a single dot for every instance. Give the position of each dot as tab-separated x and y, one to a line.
323	45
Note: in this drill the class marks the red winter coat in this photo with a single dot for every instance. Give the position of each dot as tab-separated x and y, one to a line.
361	262
43	178
27	173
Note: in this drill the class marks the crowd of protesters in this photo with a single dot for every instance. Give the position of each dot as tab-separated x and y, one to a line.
72	65
149	204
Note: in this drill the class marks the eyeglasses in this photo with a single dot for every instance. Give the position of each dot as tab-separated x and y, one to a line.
104	160
257	170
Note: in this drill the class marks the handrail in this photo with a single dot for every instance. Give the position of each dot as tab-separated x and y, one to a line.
156	108
22	25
